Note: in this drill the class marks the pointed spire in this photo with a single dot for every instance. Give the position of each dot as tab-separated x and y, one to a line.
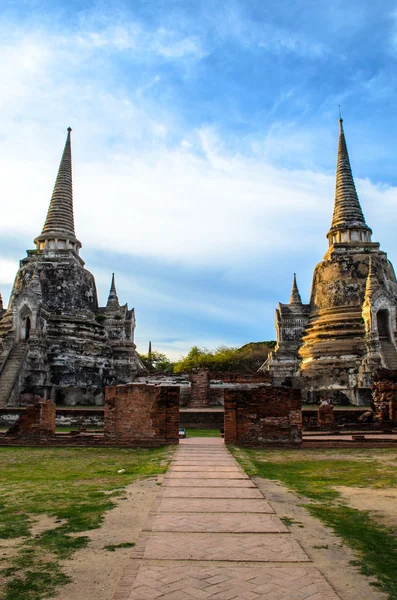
347	210
59	224
113	301
60	213
372	281
295	295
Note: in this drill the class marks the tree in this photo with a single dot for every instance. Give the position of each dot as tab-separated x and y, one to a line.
157	362
247	359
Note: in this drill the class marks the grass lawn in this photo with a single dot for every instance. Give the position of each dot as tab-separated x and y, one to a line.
314	474
202	433
67	484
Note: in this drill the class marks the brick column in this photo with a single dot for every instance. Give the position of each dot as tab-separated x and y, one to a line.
200	386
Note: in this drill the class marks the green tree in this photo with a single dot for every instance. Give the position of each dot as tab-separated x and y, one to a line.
247	359
157	362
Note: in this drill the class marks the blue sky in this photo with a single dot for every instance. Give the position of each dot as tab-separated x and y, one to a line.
204	147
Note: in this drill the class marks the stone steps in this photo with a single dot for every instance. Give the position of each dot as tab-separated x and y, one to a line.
389	354
10	371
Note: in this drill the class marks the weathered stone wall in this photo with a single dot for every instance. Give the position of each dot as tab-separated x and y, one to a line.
37	421
264	416
139	414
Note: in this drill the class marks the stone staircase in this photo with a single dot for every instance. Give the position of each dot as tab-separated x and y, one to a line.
10	371
389	354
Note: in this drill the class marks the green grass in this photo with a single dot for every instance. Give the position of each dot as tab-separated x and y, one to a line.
114	547
202	433
67	484
314	474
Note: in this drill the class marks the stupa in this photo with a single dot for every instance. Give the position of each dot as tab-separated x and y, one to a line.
348	329
55	341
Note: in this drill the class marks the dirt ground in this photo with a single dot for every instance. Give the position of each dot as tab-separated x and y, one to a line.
95	571
380	503
323	547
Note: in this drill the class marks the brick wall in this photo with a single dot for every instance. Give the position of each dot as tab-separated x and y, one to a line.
200	389
263	416
384	396
36	421
261	377
201	419
326	416
141	415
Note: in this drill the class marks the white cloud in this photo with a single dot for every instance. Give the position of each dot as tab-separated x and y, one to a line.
8	268
146	185
150	191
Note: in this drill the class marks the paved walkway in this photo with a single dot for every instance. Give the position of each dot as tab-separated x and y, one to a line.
212	535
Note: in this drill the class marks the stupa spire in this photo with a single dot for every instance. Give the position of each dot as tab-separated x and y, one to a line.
372	281
295	295
348	215
59	224
113	300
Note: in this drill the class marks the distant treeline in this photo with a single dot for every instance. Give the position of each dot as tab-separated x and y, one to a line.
246	359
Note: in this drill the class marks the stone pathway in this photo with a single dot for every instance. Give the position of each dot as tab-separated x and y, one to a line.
211	535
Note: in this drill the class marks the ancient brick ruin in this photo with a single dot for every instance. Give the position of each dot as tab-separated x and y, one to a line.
208	388
37	422
200	389
134	416
260	417
146	415
384	395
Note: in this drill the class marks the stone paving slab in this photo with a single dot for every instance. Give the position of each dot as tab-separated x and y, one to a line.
208	522
205	468
203	461
193	482
211	492
219	523
219	505
228	583
263	547
206	474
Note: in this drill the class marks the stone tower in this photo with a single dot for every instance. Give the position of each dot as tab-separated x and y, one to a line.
54	339
351	326
291	320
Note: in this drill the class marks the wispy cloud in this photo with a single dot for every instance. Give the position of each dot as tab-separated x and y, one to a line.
204	145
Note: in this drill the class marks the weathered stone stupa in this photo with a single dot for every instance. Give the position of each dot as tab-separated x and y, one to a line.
350	328
54	339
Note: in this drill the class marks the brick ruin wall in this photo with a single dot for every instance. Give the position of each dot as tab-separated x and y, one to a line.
36	422
139	414
384	397
263	417
200	389
134	416
208	388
